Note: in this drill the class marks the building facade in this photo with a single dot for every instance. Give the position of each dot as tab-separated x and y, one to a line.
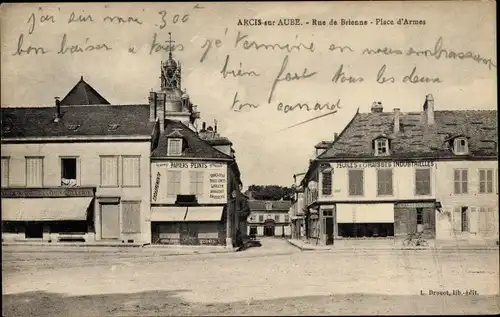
76	171
389	174
297	209
195	181
269	218
86	170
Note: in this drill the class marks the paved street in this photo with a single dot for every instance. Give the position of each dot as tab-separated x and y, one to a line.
275	279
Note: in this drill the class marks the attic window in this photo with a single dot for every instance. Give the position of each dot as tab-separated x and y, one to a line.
73	127
113	127
174	147
460	146
381	146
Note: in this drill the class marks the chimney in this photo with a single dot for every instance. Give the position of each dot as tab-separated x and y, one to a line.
397	116
152	106
335	136
215	126
377	106
429	109
160	103
58	110
203	127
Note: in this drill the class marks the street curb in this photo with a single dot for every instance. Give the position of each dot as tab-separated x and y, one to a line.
51	245
458	248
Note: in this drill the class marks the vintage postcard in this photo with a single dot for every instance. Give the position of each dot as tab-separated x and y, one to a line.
249	158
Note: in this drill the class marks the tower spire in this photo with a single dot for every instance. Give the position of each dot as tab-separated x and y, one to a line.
170	42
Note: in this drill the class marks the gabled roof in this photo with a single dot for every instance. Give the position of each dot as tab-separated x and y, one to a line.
194	146
416	138
260	205
83	94
107	120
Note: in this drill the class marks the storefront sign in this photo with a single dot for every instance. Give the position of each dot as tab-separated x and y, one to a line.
217	185
416	205
48	192
384	164
207	179
189	164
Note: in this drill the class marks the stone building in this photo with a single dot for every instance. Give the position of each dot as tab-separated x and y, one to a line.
78	170
392	173
88	170
269	218
195	180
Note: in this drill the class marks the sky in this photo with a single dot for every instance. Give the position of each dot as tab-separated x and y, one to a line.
122	63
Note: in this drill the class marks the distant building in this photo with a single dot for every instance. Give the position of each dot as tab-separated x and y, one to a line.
297	209
269	218
392	173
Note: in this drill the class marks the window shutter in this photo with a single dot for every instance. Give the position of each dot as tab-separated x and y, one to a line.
473	219
457	219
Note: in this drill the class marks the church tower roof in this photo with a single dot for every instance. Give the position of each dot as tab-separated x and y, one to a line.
83	94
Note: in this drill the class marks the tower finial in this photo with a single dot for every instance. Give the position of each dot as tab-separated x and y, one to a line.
170	42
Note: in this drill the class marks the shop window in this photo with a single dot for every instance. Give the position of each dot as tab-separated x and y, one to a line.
68	171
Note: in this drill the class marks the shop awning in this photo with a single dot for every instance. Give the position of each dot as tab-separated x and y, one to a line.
365	213
204	213
45	209
168	214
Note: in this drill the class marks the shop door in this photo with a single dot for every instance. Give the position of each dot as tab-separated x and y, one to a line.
34	230
110	221
329	230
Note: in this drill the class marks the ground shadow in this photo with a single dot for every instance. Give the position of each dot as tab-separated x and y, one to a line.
249	244
169	303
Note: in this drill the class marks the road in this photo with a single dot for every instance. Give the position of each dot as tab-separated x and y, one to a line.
275	279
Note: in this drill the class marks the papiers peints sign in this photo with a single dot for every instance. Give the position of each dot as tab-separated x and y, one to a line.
207	179
383	164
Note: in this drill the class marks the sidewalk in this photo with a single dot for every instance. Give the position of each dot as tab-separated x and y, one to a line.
115	247
390	244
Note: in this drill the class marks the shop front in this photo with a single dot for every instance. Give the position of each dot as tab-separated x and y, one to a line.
415	217
48	214
365	220
188	225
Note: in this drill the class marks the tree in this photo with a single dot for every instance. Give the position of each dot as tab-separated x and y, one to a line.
271	192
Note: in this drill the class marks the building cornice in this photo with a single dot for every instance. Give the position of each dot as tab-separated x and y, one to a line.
414	159
93	138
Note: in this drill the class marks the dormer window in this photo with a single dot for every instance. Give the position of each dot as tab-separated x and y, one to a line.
381	146
174	146
460	146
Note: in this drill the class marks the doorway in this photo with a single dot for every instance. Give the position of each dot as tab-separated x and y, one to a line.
34	230
269	231
329	230
110	221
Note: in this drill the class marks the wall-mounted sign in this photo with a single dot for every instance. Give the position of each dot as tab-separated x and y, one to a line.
207	180
384	164
48	192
